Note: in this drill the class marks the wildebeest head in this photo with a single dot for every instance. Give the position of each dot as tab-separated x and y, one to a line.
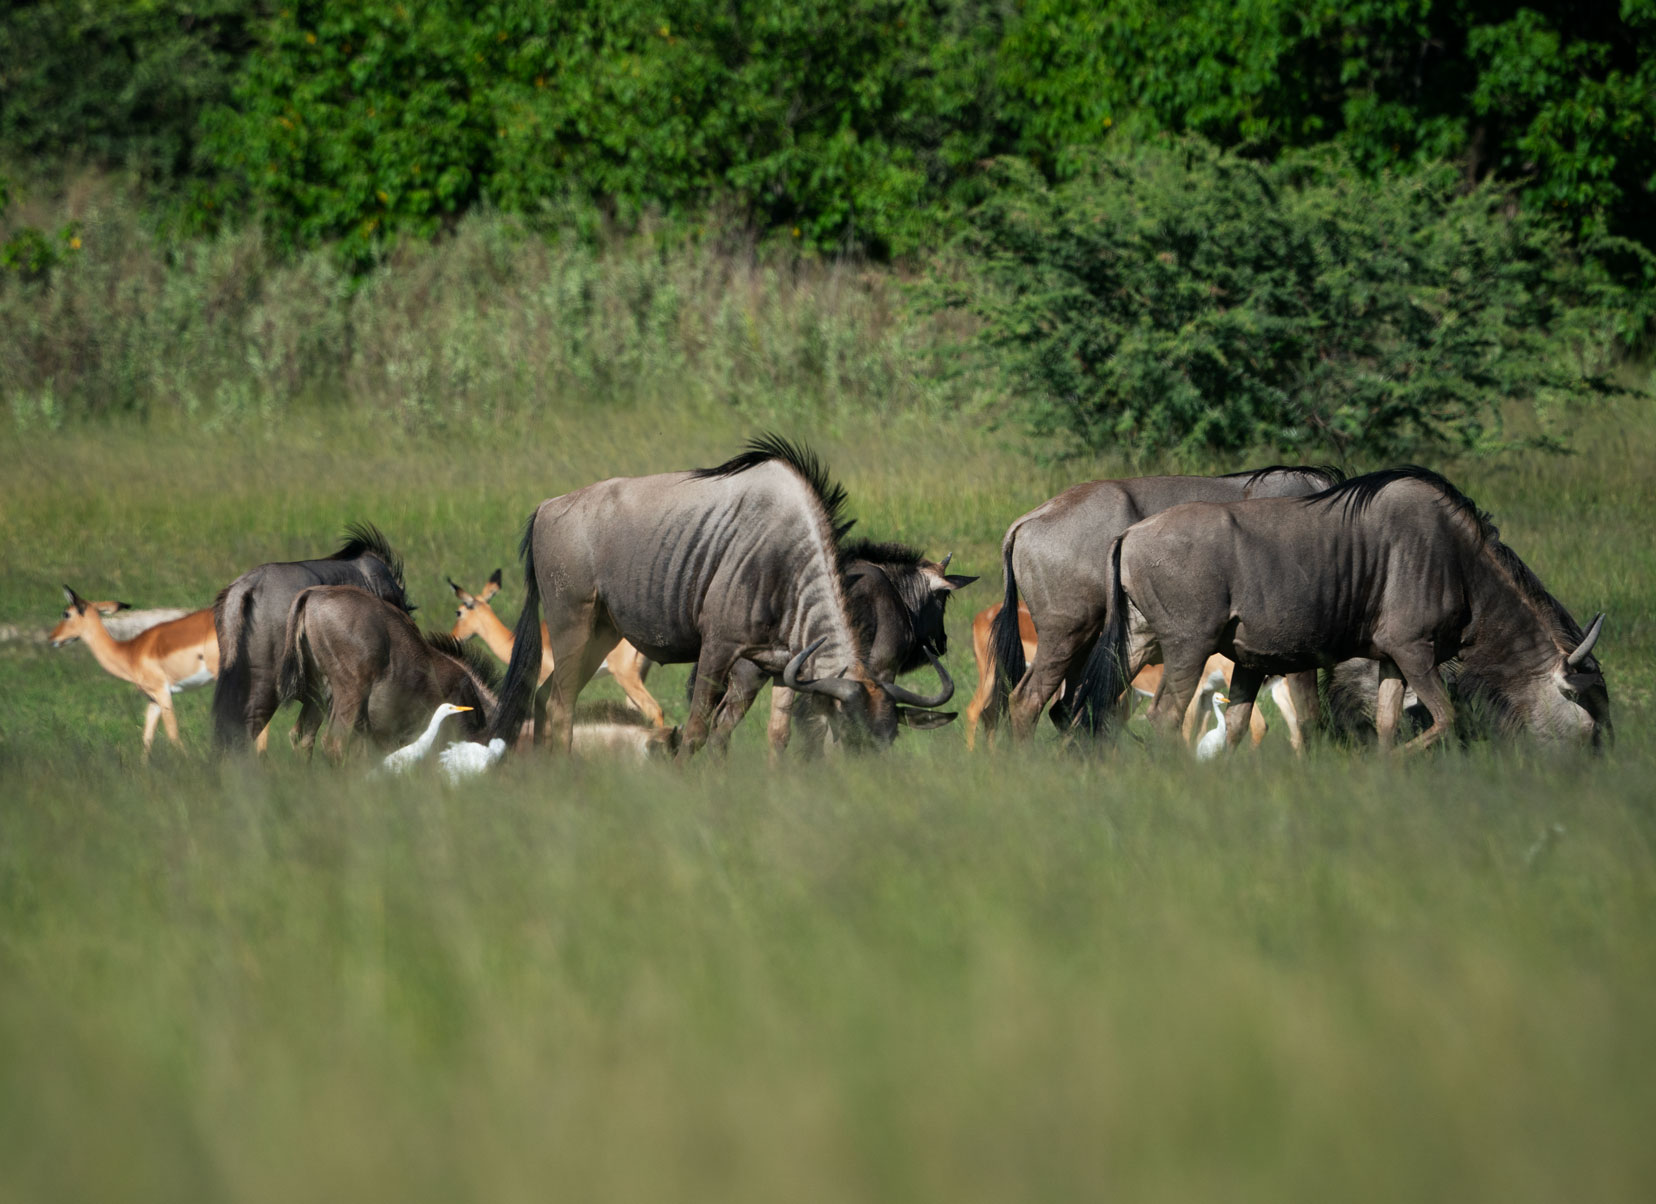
870	711
1568	704
897	601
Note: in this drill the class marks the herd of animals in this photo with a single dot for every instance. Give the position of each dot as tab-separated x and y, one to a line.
1367	603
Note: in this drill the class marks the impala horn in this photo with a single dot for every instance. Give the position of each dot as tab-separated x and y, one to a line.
898	694
835	687
1585	648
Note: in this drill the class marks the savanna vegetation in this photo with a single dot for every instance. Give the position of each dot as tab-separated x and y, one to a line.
271	268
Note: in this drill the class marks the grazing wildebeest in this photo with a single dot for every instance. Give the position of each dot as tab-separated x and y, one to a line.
250	617
363	659
1396	566
1057	556
711	566
474	616
897	600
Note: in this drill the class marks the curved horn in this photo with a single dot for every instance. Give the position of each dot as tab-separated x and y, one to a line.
944	567
898	694
1585	648
835	687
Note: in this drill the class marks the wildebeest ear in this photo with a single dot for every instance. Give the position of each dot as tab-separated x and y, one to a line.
956	581
923	720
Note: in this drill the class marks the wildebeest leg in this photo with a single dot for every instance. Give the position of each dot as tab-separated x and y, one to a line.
746	680
342	722
303	735
1181	683
1244	689
1420	671
1056	658
573	668
1388	705
712	676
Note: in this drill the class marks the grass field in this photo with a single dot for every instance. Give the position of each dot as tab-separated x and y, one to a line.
922	975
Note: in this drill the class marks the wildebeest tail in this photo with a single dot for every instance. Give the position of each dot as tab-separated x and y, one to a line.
1005	640
234	683
290	677
523	670
1104	676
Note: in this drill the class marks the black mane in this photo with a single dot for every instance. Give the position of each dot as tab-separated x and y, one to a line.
1358	493
879	553
770	446
366	539
477	661
1255	475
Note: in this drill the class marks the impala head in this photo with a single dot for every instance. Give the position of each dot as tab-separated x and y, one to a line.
79	615
471	609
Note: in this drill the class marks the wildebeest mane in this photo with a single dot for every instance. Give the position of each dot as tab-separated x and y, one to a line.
1358	493
476	660
879	553
365	539
770	446
1333	474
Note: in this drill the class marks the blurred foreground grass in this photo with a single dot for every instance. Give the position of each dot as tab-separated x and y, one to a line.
925	975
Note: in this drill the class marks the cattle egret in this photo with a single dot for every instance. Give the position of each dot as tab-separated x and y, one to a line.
411	755
465	759
1213	743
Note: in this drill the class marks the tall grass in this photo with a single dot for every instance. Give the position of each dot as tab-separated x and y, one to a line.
498	320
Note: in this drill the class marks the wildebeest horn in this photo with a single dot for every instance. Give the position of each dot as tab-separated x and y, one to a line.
944	567
835	687
898	694
1585	648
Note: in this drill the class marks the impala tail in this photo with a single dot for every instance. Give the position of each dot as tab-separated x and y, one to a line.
1005	640
1105	676
230	692
523	670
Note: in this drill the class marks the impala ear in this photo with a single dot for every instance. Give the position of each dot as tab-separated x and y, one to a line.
123	606
75	600
109	608
491	589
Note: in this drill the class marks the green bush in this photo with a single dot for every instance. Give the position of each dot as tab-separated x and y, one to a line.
1188	299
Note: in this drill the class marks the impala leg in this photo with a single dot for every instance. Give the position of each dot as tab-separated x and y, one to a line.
1244	689
1257	727
1302	708
152	716
169	719
980	699
1388	706
780	728
626	665
263	741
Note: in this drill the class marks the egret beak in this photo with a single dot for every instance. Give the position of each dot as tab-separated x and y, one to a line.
462	708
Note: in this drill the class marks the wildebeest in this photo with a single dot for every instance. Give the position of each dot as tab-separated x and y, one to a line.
897	600
363	659
712	566
1057	556
1397	566
250	617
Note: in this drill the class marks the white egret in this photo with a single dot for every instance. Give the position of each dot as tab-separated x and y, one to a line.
405	758
466	759
1213	743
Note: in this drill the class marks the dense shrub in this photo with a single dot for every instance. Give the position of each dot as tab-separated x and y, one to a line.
1189	299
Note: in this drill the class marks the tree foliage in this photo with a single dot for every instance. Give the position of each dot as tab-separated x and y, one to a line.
1193	300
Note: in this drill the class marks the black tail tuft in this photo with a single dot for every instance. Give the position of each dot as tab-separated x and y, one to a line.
523	670
1104	677
1005	642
